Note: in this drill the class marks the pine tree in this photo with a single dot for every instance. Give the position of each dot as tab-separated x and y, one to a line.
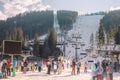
36	38
92	40
96	38
111	34
14	34
20	34
101	35
52	39
8	36
117	36
25	41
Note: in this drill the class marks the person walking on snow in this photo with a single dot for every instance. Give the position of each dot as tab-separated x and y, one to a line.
78	67
73	67
39	66
100	71
14	65
94	71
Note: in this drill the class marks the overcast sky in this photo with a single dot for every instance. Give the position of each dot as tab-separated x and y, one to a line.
12	7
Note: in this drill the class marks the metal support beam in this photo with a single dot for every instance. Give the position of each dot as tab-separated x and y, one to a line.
76	54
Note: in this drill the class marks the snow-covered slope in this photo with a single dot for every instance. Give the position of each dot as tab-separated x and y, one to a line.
85	25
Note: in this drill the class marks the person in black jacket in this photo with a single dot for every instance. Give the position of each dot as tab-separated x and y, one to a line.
4	68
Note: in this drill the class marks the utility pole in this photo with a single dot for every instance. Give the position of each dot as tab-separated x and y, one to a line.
76	48
76	36
63	42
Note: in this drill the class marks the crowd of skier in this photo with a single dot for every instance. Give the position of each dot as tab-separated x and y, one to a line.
100	70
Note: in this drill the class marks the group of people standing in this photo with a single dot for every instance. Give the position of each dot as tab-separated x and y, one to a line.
102	70
55	66
7	67
77	65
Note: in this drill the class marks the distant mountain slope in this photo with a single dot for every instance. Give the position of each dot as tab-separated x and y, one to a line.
66	19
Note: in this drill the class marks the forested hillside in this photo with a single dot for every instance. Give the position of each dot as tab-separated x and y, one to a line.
66	19
27	25
31	23
111	24
111	19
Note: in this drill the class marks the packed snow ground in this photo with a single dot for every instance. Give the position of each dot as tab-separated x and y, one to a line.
66	75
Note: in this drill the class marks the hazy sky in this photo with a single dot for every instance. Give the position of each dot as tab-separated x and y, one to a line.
83	5
12	7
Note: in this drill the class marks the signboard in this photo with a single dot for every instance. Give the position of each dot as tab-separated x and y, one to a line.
12	47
